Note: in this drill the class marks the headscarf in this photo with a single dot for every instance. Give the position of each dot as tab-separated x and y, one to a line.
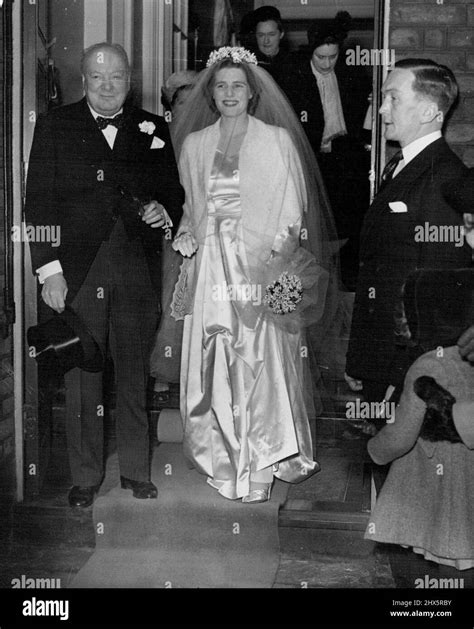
334	123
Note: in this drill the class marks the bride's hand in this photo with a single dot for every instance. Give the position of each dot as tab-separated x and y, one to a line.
186	244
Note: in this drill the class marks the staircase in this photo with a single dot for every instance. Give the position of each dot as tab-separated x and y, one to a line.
321	525
327	513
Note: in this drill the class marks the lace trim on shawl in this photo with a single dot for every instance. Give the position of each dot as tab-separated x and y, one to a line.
181	302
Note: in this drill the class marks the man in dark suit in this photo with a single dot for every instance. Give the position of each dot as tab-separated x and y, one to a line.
409	224
459	193
104	172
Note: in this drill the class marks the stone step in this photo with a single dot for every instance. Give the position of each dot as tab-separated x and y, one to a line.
43	523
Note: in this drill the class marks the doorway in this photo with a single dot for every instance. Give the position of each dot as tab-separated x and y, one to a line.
49	77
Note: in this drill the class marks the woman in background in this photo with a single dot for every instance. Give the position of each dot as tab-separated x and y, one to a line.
331	99
266	34
253	197
176	91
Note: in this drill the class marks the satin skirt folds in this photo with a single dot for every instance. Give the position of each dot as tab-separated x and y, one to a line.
242	394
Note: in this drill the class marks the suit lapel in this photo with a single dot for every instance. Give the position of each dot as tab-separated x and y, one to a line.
93	142
124	138
397	187
88	134
130	141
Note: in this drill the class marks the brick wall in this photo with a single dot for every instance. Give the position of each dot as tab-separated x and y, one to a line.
6	372
443	32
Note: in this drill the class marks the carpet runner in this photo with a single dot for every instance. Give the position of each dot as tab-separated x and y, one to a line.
190	537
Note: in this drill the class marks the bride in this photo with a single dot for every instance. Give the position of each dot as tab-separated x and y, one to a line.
257	268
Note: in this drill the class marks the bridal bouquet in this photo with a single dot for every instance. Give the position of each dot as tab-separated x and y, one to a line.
283	295
295	284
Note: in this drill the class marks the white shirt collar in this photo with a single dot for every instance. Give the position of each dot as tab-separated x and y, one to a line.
410	151
96	115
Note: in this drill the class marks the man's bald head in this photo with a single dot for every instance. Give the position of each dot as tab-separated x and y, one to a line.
96	49
106	77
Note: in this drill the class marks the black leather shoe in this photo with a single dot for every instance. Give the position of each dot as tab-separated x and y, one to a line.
141	489
82	496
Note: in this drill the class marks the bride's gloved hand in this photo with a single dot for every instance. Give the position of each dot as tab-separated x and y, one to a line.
287	241
186	244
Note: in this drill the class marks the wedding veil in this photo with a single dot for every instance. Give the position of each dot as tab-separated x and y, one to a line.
273	108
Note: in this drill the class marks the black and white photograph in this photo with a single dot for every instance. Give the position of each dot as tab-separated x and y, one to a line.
237	311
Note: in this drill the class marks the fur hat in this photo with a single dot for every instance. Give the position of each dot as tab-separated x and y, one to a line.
333	32
266	13
438	424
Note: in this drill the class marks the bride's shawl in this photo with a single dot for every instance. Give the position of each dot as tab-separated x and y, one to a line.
272	193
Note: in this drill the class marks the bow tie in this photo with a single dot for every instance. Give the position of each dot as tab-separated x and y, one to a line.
116	121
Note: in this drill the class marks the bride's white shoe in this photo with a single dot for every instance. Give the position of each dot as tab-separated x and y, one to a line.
258	495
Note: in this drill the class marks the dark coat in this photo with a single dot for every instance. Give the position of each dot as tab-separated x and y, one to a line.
345	169
354	89
72	183
280	67
389	252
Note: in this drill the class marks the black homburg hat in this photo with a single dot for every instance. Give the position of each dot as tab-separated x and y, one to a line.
64	342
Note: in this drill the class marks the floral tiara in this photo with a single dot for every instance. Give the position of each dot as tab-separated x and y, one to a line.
236	53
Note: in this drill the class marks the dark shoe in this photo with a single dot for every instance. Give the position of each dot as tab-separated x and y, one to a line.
82	496
159	400
141	489
162	396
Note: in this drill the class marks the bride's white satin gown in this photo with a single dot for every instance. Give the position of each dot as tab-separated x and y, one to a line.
242	397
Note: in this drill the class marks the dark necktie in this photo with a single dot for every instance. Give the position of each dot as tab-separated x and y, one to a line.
390	167
116	121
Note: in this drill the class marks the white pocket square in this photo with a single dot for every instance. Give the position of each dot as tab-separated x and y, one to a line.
157	143
398	207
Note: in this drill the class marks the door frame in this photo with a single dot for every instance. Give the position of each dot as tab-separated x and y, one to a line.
378	143
18	262
113	18
20	258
